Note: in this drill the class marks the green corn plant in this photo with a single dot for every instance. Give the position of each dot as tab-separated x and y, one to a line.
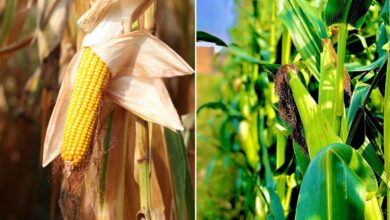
336	134
318	132
386	113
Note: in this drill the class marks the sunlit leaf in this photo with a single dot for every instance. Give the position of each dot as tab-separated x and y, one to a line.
336	185
305	29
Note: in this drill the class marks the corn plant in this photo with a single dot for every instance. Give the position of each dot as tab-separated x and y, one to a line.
113	138
323	156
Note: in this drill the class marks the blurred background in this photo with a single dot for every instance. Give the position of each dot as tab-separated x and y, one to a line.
215	180
37	40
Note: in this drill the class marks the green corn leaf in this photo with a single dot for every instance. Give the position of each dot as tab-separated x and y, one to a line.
302	158
219	105
358	98
375	132
305	29
244	56
357	130
273	202
318	132
336	185
379	80
181	178
357	43
376	163
382	40
352	12
204	36
352	67
385	13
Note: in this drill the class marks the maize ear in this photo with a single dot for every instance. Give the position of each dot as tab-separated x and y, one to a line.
91	78
318	132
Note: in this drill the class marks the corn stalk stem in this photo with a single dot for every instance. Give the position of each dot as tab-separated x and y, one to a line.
339	102
280	149
142	146
147	23
290	180
386	132
264	151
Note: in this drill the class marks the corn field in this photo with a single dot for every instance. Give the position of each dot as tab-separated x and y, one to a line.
301	126
97	109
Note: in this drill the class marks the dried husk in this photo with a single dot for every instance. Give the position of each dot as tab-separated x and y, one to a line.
110	185
144	94
106	187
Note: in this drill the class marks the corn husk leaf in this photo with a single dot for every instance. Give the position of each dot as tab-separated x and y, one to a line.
318	132
141	54
327	90
372	210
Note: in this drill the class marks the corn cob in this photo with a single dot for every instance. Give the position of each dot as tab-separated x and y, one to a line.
92	76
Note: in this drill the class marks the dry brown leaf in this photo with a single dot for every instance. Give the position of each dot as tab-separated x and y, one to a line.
18	19
141	54
141	9
5	52
88	21
53	21
116	19
145	97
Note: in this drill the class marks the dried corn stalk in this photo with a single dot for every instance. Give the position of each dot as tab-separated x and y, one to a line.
137	62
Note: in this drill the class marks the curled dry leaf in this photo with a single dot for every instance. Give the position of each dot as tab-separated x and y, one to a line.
137	62
89	20
52	18
107	19
140	54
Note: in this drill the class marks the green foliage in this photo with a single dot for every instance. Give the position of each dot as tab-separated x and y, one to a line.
204	36
336	185
318	152
352	11
181	177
